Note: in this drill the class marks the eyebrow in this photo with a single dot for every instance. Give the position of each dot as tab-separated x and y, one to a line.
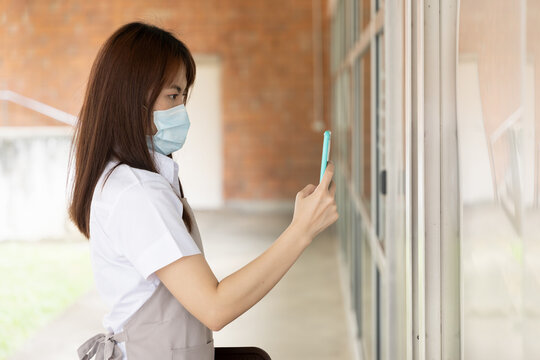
178	88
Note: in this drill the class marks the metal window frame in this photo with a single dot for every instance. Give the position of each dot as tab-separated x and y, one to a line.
431	252
416	153
390	284
367	37
435	183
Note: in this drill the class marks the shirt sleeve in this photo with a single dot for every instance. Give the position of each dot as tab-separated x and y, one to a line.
146	224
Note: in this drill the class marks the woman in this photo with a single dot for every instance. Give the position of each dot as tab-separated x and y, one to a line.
147	256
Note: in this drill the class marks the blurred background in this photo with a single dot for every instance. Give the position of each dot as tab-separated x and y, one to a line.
435	137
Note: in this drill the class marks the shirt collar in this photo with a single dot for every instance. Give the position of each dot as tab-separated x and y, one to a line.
168	168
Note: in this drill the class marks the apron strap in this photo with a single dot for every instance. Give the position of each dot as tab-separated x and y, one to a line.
103	346
181	190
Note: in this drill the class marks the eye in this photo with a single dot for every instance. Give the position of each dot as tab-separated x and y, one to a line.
173	96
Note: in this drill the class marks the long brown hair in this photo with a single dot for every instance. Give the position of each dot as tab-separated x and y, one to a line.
128	74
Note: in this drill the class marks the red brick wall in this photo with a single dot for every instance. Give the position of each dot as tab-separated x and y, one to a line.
267	50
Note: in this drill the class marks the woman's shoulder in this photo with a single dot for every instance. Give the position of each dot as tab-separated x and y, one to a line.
116	179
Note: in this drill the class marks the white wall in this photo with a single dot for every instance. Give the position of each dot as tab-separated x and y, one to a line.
33	172
201	158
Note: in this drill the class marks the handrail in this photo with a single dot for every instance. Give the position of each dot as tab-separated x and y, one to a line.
514	212
47	110
495	135
506	125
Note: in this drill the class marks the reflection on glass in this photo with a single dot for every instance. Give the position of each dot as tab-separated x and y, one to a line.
498	126
334	53
350	238
351	149
341	198
342	29
345	125
368	303
357	136
365	13
340	33
358	273
354	12
378	302
342	134
365	190
380	130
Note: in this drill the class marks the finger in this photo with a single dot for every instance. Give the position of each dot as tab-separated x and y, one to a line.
327	177
308	189
333	188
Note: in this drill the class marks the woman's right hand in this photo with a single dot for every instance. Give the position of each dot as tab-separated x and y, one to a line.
315	206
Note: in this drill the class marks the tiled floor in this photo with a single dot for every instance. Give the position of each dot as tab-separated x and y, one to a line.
302	317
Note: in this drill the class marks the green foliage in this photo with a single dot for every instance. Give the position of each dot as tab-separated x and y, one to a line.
39	280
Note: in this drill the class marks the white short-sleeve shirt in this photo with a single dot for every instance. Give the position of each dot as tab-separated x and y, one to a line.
136	228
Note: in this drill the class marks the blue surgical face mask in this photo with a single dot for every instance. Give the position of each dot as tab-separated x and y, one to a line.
172	128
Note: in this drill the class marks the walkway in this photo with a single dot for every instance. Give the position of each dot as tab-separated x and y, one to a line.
302	317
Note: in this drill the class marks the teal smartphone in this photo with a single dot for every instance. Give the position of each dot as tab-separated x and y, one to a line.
325	152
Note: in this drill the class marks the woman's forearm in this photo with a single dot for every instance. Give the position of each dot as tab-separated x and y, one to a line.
242	289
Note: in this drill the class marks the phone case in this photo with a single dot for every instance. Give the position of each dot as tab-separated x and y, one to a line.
325	152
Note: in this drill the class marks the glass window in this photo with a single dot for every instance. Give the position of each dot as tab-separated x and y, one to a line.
348	24
333	45
378	302
368	303
365	131
357	126
340	202
498	125
359	131
343	132
350	239
354	19
380	133
343	31
365	13
358	271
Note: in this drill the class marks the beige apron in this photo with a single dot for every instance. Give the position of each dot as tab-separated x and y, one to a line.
160	329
